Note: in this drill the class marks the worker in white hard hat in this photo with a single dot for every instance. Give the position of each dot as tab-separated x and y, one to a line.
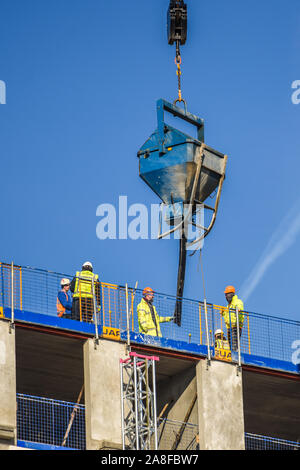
220	340
86	290
64	299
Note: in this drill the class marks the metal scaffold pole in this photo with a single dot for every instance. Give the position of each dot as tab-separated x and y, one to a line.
12	321
138	402
95	313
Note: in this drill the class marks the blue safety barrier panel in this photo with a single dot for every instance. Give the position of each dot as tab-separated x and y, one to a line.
46	423
258	442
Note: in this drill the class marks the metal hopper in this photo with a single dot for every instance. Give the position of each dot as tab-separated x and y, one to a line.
183	171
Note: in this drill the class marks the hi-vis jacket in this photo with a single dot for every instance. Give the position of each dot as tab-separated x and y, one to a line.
229	313
84	285
146	323
221	344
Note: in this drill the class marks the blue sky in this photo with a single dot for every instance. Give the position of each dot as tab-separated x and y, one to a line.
82	79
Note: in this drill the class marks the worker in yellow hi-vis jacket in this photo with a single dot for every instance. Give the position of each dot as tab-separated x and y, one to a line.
220	340
86	293
230	317
149	320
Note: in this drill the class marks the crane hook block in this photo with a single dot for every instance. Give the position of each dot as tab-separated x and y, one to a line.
177	22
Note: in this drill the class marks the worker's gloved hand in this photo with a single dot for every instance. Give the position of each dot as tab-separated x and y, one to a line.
98	309
171	319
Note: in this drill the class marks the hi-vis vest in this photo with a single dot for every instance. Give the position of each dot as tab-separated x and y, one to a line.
84	284
222	350
146	324
59	307
221	344
229	313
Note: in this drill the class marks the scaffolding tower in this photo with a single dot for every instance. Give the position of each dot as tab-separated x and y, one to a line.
138	402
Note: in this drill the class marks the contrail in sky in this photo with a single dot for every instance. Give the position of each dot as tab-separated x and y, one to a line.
282	239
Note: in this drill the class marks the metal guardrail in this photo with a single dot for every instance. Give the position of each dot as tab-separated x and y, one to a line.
48	421
177	435
257	442
35	290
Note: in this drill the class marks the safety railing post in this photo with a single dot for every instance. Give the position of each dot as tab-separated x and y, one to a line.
213	325
200	321
132	303
207	333
269	337
95	312
80	304
137	439
249	342
154	407
122	405
21	288
127	318
12	321
238	337
2	301
230	330
213	330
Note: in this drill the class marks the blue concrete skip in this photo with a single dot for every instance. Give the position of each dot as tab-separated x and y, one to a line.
138	338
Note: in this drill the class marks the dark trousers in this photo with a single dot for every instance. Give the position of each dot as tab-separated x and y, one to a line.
83	309
232	336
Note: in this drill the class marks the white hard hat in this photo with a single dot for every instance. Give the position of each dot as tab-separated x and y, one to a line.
88	263
219	332
64	281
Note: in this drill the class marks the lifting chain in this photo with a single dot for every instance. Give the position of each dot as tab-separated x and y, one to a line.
178	73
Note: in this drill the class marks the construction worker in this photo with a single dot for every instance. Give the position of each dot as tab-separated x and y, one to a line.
86	293
229	314
149	320
64	300
220	340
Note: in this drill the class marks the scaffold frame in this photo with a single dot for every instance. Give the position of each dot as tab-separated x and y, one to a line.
138	402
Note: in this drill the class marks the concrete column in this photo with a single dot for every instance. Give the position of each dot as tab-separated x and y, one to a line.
220	406
102	394
8	408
